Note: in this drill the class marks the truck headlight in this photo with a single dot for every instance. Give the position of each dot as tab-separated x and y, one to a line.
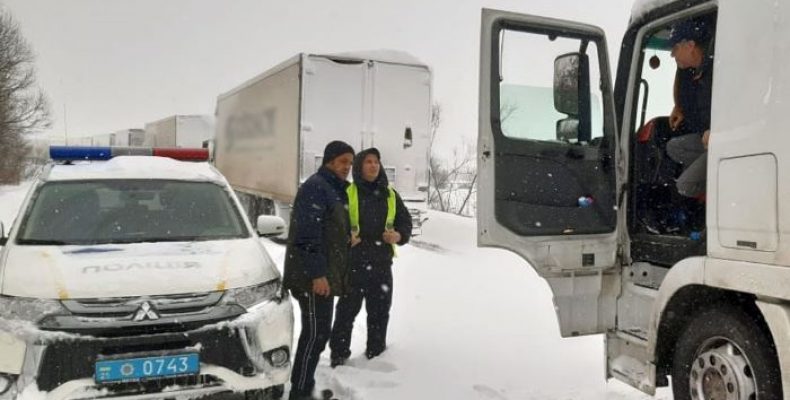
250	296
28	309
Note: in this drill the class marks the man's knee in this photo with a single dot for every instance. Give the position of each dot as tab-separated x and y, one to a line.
690	188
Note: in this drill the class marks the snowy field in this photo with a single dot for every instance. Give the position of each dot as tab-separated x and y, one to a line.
467	323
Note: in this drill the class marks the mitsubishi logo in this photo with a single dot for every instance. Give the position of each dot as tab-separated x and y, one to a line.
145	312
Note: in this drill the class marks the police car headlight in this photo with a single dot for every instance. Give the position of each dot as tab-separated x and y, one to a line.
6	380
28	309
251	295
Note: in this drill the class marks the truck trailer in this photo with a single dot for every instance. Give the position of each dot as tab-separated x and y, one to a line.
179	131
271	130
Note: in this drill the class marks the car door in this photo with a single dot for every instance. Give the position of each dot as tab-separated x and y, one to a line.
547	145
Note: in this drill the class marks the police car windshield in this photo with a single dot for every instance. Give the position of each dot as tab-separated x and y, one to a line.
130	211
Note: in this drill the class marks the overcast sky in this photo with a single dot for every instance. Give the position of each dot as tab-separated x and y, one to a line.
118	64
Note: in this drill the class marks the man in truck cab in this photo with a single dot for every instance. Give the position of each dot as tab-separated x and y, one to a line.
692	50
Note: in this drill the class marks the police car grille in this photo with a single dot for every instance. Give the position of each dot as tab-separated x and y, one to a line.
124	306
157	385
63	361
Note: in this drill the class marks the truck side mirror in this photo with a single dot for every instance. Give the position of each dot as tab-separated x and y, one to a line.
572	97
568	129
270	225
3	239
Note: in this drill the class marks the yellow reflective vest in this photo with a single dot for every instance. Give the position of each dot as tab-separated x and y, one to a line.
353	210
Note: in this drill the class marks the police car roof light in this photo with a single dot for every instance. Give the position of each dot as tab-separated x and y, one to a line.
74	153
68	153
183	154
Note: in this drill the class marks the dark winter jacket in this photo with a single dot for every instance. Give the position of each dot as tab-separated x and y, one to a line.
319	234
372	217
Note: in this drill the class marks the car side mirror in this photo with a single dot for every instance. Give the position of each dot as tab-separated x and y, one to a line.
572	97
270	225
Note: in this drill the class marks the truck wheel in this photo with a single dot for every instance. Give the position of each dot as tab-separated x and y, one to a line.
271	393
723	354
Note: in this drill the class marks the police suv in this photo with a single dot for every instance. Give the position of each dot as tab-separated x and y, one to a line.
132	273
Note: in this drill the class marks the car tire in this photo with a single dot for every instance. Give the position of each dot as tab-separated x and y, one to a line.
723	353
270	393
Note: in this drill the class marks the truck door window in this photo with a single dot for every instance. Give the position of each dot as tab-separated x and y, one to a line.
528	106
658	73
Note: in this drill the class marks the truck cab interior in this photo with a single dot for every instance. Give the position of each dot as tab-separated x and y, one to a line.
664	225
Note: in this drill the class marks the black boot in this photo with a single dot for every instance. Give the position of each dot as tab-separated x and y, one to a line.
371	353
338	361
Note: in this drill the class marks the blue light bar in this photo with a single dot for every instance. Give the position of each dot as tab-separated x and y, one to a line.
68	153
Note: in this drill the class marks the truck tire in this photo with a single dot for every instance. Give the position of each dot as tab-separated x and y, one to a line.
723	354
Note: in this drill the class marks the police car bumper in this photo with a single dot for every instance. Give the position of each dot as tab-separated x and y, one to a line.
248	350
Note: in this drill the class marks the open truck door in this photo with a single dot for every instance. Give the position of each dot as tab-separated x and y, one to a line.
547	145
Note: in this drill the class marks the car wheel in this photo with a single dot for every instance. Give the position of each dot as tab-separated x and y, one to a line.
723	354
270	393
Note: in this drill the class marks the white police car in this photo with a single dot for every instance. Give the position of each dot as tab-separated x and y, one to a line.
138	277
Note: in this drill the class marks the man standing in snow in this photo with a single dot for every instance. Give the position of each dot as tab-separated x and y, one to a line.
379	222
316	259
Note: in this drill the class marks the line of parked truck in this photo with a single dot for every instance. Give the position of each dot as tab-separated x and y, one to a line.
268	133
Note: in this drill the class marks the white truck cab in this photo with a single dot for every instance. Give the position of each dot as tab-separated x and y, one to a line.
576	179
139	277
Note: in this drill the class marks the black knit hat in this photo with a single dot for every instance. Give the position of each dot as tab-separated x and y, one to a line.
698	30
335	149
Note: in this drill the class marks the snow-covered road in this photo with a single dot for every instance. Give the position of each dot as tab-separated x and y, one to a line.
467	323
470	323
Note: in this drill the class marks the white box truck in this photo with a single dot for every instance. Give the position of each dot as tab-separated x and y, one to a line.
104	139
696	289
180	131
129	137
271	130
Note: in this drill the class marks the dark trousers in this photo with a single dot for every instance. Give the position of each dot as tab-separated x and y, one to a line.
373	285
689	151
316	327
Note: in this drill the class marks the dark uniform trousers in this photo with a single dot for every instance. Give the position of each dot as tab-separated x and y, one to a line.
371	283
316	327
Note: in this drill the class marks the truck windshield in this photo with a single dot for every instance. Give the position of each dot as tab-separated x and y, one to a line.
130	211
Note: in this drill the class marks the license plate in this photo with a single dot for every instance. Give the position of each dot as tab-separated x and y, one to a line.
138	369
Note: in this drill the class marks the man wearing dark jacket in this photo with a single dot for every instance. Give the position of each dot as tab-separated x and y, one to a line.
316	259
379	222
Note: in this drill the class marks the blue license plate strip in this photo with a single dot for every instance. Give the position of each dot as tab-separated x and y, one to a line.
142	368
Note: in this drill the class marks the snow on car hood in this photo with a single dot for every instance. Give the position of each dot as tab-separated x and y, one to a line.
139	269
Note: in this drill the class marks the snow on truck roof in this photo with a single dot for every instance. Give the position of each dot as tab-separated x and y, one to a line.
134	167
642	7
381	55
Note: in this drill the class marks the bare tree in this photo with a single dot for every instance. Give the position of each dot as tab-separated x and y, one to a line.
435	174
23	107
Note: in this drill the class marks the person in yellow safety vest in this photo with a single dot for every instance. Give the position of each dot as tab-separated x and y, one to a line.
379	222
